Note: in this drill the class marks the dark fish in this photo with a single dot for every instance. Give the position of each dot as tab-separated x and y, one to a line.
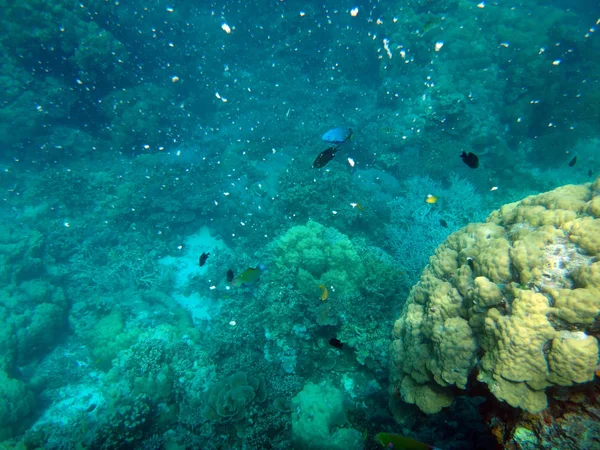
573	161
470	159
229	276
590	173
335	342
91	408
324	157
203	258
443	223
471	263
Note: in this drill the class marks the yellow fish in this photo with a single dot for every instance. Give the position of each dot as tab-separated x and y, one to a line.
324	292
249	276
398	442
431	199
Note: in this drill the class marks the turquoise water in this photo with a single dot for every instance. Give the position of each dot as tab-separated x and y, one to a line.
137	136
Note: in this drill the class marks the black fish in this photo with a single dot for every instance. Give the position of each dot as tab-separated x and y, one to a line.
324	157
335	342
229	276
471	263
573	161
590	173
203	258
443	223
470	160
91	408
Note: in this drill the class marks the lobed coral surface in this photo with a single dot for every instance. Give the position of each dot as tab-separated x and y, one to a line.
514	301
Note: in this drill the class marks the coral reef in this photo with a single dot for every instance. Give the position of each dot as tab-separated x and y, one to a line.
16	407
320	255
318	414
228	399
514	300
128	126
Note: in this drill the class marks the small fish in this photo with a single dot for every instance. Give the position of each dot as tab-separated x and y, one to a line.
428	26
335	342
389	130
90	408
431	199
324	292
358	206
324	157
573	161
396	441
203	258
590	173
470	159
471	263
229	276
443	223
337	136
249	276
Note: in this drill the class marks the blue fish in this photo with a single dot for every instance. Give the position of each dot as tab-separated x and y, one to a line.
337	136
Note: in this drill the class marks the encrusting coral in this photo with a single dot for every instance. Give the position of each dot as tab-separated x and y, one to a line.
514	300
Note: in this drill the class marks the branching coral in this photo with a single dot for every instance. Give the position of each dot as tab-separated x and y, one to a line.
515	299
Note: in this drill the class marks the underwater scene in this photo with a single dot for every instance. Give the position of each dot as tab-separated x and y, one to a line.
285	224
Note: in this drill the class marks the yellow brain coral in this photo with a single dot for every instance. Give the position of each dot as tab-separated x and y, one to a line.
514	300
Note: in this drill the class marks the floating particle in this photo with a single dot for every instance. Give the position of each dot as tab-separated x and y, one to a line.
226	28
481	5
556	62
174	79
386	46
438	46
354	11
494	188
351	162
233	323
170	9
